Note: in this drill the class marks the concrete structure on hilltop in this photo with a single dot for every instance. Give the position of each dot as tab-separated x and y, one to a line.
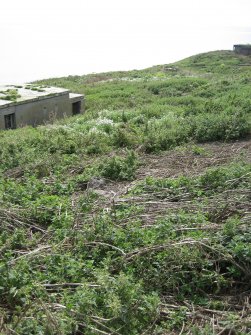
32	104
243	49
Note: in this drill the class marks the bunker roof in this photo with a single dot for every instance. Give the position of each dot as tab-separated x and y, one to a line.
16	94
248	46
76	95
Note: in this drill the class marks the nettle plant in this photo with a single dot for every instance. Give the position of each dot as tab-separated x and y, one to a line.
119	168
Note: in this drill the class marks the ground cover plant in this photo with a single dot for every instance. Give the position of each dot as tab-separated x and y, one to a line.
10	94
133	218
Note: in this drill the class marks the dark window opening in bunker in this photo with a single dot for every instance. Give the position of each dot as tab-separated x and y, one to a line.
10	121
76	108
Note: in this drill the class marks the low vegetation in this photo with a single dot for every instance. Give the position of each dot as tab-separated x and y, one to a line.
134	217
10	94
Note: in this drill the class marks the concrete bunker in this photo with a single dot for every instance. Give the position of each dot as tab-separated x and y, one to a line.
242	49
32	104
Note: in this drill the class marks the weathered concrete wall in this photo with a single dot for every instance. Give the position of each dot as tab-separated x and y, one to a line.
42	111
242	49
39	111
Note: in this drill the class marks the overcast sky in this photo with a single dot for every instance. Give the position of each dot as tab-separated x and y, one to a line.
53	38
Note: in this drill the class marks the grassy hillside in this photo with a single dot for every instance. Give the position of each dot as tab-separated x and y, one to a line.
133	218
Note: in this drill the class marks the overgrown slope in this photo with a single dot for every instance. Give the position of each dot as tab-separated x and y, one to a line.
135	217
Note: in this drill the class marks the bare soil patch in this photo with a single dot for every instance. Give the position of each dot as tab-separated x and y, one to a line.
190	161
176	162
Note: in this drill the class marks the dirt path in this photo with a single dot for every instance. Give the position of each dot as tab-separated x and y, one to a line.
191	161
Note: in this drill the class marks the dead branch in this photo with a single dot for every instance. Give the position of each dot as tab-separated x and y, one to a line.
106	245
71	285
28	254
142	251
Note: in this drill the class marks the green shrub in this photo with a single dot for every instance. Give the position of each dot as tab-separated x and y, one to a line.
164	134
222	126
48	209
120	168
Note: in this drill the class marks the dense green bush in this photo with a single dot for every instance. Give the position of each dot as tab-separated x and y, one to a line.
119	168
223	126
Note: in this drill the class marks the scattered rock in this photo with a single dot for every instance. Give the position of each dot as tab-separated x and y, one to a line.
96	183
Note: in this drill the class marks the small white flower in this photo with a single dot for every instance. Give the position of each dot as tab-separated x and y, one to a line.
101	121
